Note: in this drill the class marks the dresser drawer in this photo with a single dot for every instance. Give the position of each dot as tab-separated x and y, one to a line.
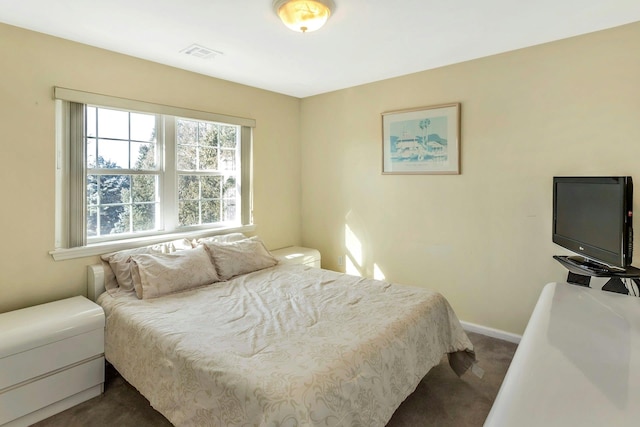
19	401
23	366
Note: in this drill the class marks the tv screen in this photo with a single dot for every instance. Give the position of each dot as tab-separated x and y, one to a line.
592	216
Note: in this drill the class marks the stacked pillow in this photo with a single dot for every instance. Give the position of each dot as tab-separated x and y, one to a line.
179	265
118	276
243	256
155	275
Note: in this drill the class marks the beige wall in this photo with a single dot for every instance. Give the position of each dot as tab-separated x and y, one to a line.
482	238
30	65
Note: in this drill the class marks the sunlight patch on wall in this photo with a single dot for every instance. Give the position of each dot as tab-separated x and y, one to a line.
353	245
350	268
377	273
353	260
356	262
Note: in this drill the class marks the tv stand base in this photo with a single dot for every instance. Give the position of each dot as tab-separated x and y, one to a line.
579	279
615	285
580	273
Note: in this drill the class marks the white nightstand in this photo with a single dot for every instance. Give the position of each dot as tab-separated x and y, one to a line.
298	255
51	358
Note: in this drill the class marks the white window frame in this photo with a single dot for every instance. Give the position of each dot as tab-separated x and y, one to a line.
70	218
163	169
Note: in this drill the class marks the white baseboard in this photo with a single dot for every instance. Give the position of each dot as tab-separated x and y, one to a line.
490	332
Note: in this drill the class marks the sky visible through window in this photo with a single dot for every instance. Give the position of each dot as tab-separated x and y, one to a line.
113	132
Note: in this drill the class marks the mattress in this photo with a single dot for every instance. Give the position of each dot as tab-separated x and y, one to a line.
289	345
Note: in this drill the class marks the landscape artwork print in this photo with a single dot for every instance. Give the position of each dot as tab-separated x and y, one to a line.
422	141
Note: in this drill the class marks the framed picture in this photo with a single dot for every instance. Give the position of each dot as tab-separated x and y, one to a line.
422	140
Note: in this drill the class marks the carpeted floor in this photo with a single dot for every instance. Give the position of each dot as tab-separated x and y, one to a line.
441	399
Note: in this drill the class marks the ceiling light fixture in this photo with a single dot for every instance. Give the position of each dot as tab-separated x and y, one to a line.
303	15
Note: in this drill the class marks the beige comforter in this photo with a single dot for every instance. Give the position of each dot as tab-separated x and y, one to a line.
284	346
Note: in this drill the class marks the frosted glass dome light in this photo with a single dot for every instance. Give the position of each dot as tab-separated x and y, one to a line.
303	15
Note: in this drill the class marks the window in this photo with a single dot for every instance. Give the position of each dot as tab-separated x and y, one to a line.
122	172
206	165
147	170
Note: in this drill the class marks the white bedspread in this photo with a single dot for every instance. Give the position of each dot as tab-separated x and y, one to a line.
285	346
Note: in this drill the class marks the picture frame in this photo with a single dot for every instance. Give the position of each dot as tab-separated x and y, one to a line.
423	140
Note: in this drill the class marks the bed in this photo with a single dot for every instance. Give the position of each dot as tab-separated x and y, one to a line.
278	345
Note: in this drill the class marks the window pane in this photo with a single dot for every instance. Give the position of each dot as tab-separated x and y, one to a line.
229	213
186	131
229	190
228	160
114	219
143	127
187	157
208	134
228	136
145	188
144	217
210	211
208	158
92	190
113	124
188	187
114	189
210	187
143	155
188	213
113	154
91	153
91	122
92	222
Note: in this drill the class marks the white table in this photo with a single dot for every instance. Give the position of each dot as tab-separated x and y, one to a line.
578	363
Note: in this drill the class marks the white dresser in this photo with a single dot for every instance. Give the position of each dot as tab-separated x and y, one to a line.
51	358
578	363
298	255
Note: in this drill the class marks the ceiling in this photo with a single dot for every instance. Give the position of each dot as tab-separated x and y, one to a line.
363	41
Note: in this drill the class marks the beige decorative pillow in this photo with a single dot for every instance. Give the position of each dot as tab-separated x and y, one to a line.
120	261
155	275
241	257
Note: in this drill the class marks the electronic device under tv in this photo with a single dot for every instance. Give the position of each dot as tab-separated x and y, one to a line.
593	217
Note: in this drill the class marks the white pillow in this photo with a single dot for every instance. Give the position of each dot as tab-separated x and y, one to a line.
155	275
241	257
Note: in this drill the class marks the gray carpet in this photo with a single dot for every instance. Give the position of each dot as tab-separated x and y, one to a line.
441	399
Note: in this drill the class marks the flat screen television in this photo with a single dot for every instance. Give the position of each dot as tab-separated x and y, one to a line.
593	217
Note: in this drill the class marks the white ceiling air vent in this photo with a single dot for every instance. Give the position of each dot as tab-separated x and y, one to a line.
201	52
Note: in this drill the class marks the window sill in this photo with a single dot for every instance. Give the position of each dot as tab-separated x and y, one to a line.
62	254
